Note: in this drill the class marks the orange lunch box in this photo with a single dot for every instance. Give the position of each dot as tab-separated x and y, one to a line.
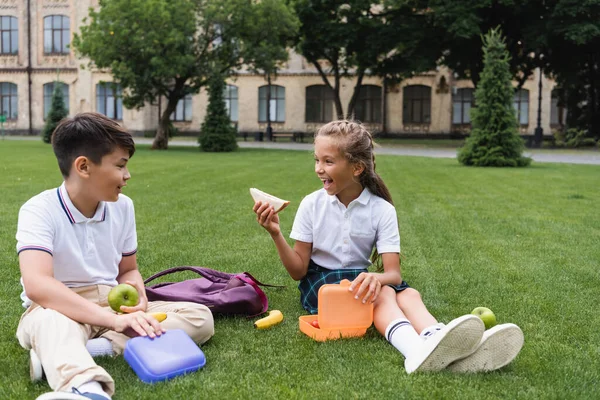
340	315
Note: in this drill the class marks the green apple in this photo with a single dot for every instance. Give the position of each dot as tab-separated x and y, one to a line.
486	315
122	295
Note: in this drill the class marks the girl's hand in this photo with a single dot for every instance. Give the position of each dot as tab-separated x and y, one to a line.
142	304
137	324
366	284
266	217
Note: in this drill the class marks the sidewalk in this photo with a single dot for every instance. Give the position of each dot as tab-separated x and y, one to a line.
543	156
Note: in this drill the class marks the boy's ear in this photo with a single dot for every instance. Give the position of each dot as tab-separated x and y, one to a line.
81	166
359	167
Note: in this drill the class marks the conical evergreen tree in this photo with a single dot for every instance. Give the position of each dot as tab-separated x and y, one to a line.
57	112
494	139
216	133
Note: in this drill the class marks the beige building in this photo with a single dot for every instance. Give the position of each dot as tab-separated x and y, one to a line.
34	51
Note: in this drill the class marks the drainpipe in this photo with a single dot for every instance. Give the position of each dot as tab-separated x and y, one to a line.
384	107
29	65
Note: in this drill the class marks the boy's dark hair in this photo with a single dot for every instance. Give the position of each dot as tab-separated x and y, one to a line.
91	135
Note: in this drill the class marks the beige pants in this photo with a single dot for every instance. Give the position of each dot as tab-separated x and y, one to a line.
60	342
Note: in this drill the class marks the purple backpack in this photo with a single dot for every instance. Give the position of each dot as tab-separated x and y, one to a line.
221	292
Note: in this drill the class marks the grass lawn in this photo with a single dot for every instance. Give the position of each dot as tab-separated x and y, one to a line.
523	242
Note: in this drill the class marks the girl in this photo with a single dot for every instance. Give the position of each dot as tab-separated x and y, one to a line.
336	229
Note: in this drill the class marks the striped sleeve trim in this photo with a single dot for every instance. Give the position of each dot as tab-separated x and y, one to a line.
129	253
38	248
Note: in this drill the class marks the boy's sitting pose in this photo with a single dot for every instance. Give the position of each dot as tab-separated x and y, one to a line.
75	243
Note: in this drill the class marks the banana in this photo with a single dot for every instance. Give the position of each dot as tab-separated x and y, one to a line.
159	316
274	317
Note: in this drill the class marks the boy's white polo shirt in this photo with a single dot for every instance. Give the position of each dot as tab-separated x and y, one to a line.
344	237
85	251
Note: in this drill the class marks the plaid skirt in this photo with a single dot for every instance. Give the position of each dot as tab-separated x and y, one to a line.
317	276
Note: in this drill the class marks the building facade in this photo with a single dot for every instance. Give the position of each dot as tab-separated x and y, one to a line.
35	54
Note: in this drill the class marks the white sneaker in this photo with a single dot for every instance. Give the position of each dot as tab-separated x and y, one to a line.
454	341
499	346
36	372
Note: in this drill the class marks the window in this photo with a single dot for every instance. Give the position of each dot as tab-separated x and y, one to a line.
319	103
231	102
276	104
368	104
57	34
49	90
109	101
416	104
9	100
521	105
183	112
462	102
558	112
10	35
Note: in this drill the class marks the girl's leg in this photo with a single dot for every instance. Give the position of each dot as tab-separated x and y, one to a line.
410	303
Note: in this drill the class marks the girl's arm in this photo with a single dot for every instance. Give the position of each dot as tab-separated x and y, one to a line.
294	260
369	283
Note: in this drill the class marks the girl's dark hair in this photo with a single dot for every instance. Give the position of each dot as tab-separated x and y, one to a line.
356	144
91	135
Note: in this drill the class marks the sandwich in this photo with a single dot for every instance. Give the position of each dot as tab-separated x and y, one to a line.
277	203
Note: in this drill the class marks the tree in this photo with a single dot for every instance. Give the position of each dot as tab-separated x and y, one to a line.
494	139
216	133
166	48
58	111
357	38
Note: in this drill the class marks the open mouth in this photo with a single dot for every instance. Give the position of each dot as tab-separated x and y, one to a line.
327	183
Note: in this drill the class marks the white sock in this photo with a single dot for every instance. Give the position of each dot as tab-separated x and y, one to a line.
93	387
431	330
401	334
100	347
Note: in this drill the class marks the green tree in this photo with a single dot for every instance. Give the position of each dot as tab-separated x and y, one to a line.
58	111
494	139
216	133
166	48
358	38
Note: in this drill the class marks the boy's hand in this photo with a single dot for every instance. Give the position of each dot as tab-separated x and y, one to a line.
137	323
142	304
367	284
266	217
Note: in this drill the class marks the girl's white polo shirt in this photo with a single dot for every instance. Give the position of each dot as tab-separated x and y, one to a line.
345	237
85	251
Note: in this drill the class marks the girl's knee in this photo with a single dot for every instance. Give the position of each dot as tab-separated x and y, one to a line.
386	296
409	295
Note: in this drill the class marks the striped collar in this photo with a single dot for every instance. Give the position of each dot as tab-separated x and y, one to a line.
72	213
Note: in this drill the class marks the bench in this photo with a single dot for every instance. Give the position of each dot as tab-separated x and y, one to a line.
294	136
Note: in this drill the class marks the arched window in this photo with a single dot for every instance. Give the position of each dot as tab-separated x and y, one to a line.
9	43
183	112
558	112
416	104
462	102
276	104
521	105
109	100
368	104
57	34
319	104
9	100
49	90
231	102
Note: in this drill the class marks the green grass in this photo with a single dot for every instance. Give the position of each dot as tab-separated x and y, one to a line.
523	242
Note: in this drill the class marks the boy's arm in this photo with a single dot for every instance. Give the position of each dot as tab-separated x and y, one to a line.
42	288
129	273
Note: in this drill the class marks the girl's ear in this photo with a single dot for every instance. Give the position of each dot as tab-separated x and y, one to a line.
81	166
358	168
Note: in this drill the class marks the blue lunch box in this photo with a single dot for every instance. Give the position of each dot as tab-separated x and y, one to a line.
169	355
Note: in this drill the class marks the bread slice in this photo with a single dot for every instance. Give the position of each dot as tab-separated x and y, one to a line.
277	203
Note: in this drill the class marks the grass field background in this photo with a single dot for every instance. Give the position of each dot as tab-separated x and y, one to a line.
523	242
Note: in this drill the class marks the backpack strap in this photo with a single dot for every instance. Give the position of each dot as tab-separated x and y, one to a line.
261	294
247	274
207	273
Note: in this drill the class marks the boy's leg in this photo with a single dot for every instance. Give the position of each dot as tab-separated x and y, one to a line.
410	302
59	342
194	319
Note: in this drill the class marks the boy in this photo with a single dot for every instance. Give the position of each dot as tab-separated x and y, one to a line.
75	243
